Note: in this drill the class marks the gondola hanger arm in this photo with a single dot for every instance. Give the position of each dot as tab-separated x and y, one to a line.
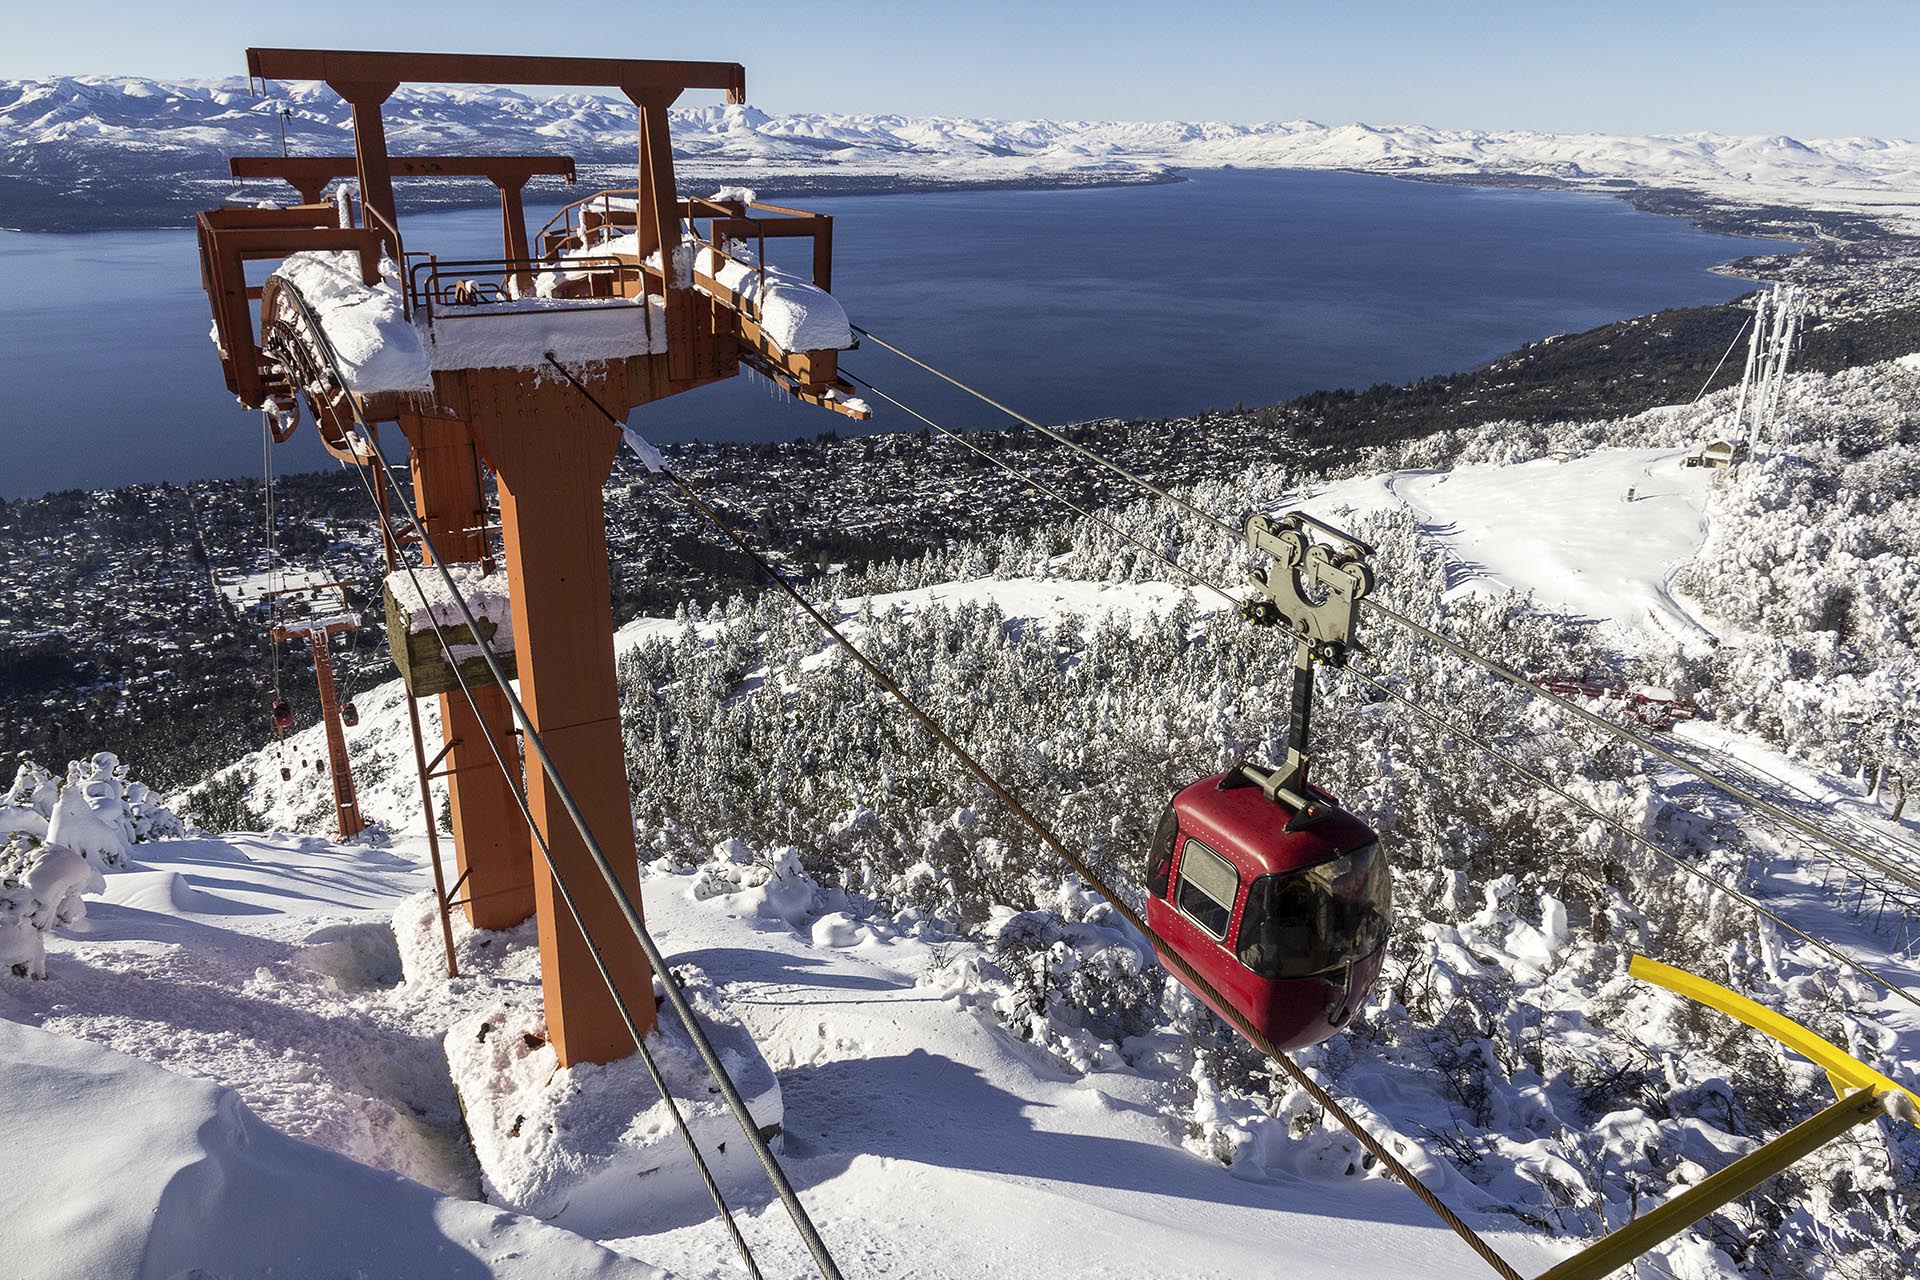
1313	588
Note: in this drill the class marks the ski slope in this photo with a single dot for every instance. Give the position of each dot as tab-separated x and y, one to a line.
1562	529
926	1138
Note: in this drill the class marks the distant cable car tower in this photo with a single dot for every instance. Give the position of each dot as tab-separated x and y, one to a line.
629	292
1777	316
317	628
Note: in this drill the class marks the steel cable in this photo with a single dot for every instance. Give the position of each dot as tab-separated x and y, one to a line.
1051	433
1732	789
1040	485
981	774
1723	359
1725	888
567	899
670	987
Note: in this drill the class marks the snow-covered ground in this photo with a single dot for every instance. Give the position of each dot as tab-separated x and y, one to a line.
925	1138
1562	529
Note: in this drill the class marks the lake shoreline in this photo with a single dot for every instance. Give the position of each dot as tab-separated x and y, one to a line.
1401	347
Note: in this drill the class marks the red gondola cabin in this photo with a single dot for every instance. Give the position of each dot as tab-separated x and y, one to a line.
1289	926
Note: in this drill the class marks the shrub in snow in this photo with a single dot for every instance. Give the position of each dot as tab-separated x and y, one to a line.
222	804
776	887
39	888
97	812
28	803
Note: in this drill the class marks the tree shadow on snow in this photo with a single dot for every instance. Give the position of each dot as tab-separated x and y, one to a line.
741	964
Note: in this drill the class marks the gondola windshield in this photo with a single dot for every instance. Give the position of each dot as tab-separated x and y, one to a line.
1306	922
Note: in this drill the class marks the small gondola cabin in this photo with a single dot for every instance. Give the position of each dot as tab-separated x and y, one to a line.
1289	926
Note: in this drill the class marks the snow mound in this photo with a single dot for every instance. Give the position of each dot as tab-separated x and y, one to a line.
378	348
572	1145
201	1186
361	955
166	892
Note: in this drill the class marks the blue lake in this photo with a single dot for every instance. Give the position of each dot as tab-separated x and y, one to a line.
1235	286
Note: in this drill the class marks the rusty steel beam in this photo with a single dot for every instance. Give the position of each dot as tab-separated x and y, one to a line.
630	75
552	462
346	802
310	175
317	171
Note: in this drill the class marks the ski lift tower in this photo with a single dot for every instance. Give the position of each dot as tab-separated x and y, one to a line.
325	614
639	294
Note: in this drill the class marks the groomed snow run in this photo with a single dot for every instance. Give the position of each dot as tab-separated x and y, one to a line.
1563	529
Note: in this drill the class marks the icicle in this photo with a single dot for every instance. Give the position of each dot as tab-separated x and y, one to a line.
644	451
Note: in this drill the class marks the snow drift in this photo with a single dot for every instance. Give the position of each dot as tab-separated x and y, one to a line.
200	1186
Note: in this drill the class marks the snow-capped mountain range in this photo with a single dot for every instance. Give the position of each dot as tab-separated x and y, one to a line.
106	150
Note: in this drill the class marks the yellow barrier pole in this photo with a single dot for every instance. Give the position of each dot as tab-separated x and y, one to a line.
1615	1250
1866	1103
1843	1070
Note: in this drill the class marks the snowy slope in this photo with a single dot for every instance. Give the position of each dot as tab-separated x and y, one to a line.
102	129
1561	529
929	1134
118	1168
926	1139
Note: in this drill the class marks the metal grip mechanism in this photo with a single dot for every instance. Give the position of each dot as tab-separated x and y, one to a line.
1313	589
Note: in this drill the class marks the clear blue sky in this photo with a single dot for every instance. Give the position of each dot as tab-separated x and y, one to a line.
1763	66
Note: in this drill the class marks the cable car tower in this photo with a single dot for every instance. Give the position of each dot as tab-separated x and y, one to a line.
638	294
320	611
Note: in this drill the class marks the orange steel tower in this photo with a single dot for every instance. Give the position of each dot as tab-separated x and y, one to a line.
632	293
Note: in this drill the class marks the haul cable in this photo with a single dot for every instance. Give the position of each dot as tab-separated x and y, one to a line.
1594	812
1027	478
670	988
1734	789
1520	682
1050	432
1119	903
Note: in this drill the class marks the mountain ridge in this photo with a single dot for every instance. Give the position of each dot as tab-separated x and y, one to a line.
95	150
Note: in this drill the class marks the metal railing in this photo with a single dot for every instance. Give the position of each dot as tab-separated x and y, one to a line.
439	289
608	215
